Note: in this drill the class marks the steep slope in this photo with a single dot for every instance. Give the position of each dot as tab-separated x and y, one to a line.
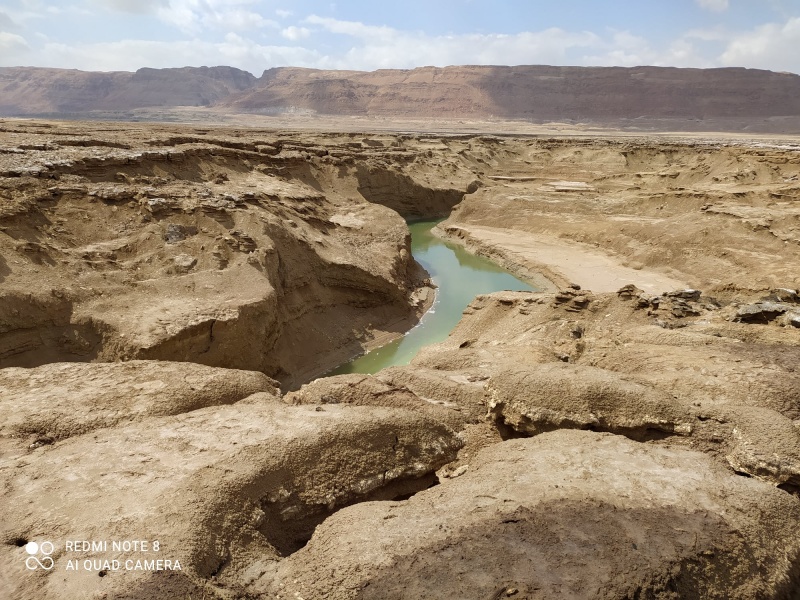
528	92
654	97
243	249
25	90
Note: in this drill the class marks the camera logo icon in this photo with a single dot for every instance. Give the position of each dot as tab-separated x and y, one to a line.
39	556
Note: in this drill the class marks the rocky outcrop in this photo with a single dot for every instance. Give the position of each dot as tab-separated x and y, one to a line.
661	455
684	373
558	396
225	490
782	304
242	251
366	390
658	215
565	514
401	193
60	400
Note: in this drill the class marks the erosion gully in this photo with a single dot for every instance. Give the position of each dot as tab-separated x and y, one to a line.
459	277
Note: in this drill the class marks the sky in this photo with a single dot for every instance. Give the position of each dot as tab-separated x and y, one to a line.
254	35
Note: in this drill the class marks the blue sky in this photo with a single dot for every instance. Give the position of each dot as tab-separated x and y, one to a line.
108	35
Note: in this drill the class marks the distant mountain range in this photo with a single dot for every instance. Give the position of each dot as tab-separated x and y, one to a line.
535	93
33	90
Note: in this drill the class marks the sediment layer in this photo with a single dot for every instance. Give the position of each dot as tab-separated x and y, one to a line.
638	98
226	248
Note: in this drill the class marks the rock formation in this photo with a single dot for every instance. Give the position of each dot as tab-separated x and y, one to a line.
225	489
703	213
263	253
171	297
637	97
57	401
563	515
527	92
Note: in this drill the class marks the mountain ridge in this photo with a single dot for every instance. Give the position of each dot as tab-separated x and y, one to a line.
526	92
41	90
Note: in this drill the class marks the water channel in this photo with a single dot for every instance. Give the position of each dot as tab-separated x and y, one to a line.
459	275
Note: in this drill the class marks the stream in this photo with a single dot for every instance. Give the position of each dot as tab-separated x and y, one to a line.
459	275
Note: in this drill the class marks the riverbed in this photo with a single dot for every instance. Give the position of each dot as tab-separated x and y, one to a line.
459	277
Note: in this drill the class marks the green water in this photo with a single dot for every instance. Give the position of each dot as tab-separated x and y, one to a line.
459	275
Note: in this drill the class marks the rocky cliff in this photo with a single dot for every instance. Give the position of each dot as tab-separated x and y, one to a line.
723	98
528	92
28	90
245	250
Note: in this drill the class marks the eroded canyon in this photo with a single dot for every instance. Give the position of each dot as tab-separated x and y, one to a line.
170	296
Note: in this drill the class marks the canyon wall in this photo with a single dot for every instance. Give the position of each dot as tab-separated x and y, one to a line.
252	251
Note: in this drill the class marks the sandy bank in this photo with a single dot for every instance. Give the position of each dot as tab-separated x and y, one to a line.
550	262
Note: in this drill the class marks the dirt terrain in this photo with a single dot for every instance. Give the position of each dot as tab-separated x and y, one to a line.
706	214
172	295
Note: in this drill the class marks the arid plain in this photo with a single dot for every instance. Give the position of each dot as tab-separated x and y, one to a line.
170	296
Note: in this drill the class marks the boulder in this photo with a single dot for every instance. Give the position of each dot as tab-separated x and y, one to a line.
453	397
761	312
568	514
183	263
225	491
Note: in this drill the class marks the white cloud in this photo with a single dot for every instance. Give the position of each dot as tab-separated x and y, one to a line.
627	50
384	47
11	42
283	14
624	49
352	28
195	16
545	47
683	53
182	15
236	20
295	33
26	12
772	46
714	5
356	45
130	55
6	22
132	6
